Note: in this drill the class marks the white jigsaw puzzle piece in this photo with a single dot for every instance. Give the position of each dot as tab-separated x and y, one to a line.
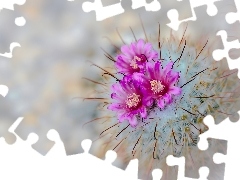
101	11
20	21
3	90
131	168
157	174
27	163
102	169
22	146
12	46
10	4
153	6
58	149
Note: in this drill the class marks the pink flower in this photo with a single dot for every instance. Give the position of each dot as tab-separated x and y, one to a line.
134	56
130	102
159	84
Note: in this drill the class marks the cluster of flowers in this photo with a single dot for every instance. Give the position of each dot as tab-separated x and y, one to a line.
145	83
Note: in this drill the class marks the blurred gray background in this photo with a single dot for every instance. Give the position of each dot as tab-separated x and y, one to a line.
57	43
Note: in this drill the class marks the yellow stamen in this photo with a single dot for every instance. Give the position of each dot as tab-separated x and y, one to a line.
156	86
134	64
133	100
136	58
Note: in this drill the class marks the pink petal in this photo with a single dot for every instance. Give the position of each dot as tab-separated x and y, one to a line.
150	70
175	90
139	77
172	77
160	103
157	70
167	68
115	87
147	48
133	121
121	118
149	102
143	112
118	97
115	107
168	99
140	46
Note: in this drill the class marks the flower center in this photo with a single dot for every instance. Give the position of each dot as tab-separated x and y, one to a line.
133	100
157	86
141	58
133	64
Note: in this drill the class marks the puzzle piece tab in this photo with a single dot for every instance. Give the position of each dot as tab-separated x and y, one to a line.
103	12
221	53
10	4
180	161
183	8
225	42
152	6
232	17
230	50
3	90
58	150
6	118
199	11
8	43
206	159
230	132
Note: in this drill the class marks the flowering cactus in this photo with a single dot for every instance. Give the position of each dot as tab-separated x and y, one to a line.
156	106
133	57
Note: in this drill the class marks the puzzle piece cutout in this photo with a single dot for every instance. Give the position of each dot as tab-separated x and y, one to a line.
180	161
26	163
215	157
101	11
234	16
104	12
183	8
109	158
14	24
58	149
69	165
218	54
6	117
210	7
215	21
173	14
10	4
20	21
157	174
22	146
216	170
9	54
152	6
228	131
3	90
